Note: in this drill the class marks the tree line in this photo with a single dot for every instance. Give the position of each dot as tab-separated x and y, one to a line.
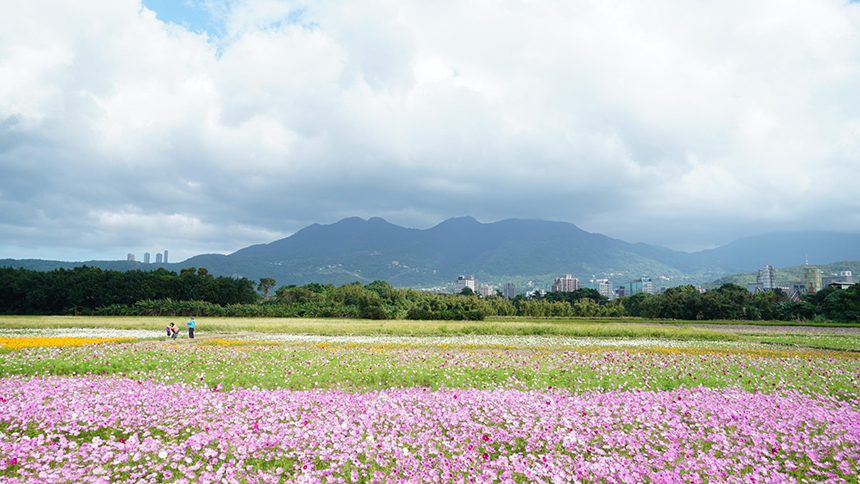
84	290
89	290
733	302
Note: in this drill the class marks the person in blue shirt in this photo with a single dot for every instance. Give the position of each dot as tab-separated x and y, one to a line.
191	328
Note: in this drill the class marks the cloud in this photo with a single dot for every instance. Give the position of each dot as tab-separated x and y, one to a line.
674	123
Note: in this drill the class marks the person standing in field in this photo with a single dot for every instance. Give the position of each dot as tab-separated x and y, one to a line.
191	328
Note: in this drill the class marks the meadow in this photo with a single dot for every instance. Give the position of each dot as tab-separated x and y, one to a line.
345	326
112	400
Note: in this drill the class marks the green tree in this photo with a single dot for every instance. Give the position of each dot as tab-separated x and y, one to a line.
266	283
795	310
681	302
633	303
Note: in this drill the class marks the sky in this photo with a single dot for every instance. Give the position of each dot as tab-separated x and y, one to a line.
205	126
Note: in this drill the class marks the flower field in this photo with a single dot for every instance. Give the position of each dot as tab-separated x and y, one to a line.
285	409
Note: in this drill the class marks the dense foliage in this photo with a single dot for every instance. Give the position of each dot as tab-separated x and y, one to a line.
86	289
734	302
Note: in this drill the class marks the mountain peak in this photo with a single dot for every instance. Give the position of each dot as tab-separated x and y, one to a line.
350	221
466	221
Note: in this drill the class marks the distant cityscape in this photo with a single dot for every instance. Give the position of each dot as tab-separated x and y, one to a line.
159	258
568	283
812	282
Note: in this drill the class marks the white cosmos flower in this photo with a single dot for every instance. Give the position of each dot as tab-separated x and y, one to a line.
501	341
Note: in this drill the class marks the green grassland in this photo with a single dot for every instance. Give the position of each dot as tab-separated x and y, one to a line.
519	327
806	336
836	342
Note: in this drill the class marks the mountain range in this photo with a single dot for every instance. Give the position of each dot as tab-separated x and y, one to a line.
527	252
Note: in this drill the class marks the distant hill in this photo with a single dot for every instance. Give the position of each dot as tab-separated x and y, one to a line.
527	252
520	250
786	275
783	250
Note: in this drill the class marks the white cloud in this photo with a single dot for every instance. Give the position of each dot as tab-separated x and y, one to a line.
671	122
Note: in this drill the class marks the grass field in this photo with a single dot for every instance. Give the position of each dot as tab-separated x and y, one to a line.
805	336
582	328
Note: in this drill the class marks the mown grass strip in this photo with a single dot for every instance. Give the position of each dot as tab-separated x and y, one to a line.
573	328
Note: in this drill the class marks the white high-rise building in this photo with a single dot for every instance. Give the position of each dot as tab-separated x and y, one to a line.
510	290
146	257
487	290
604	288
165	256
766	278
567	283
158	258
466	281
130	257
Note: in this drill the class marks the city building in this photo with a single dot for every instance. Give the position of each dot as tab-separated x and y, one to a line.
766	278
130	257
567	283
796	290
844	280
158	258
165	256
766	282
487	290
146	257
643	284
604	288
465	281
811	279
510	290
620	291
754	287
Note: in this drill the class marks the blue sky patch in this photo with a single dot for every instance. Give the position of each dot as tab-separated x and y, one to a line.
191	14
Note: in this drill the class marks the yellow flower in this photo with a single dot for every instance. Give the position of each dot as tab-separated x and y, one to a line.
28	342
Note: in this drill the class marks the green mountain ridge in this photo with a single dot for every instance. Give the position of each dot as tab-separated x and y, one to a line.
519	251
